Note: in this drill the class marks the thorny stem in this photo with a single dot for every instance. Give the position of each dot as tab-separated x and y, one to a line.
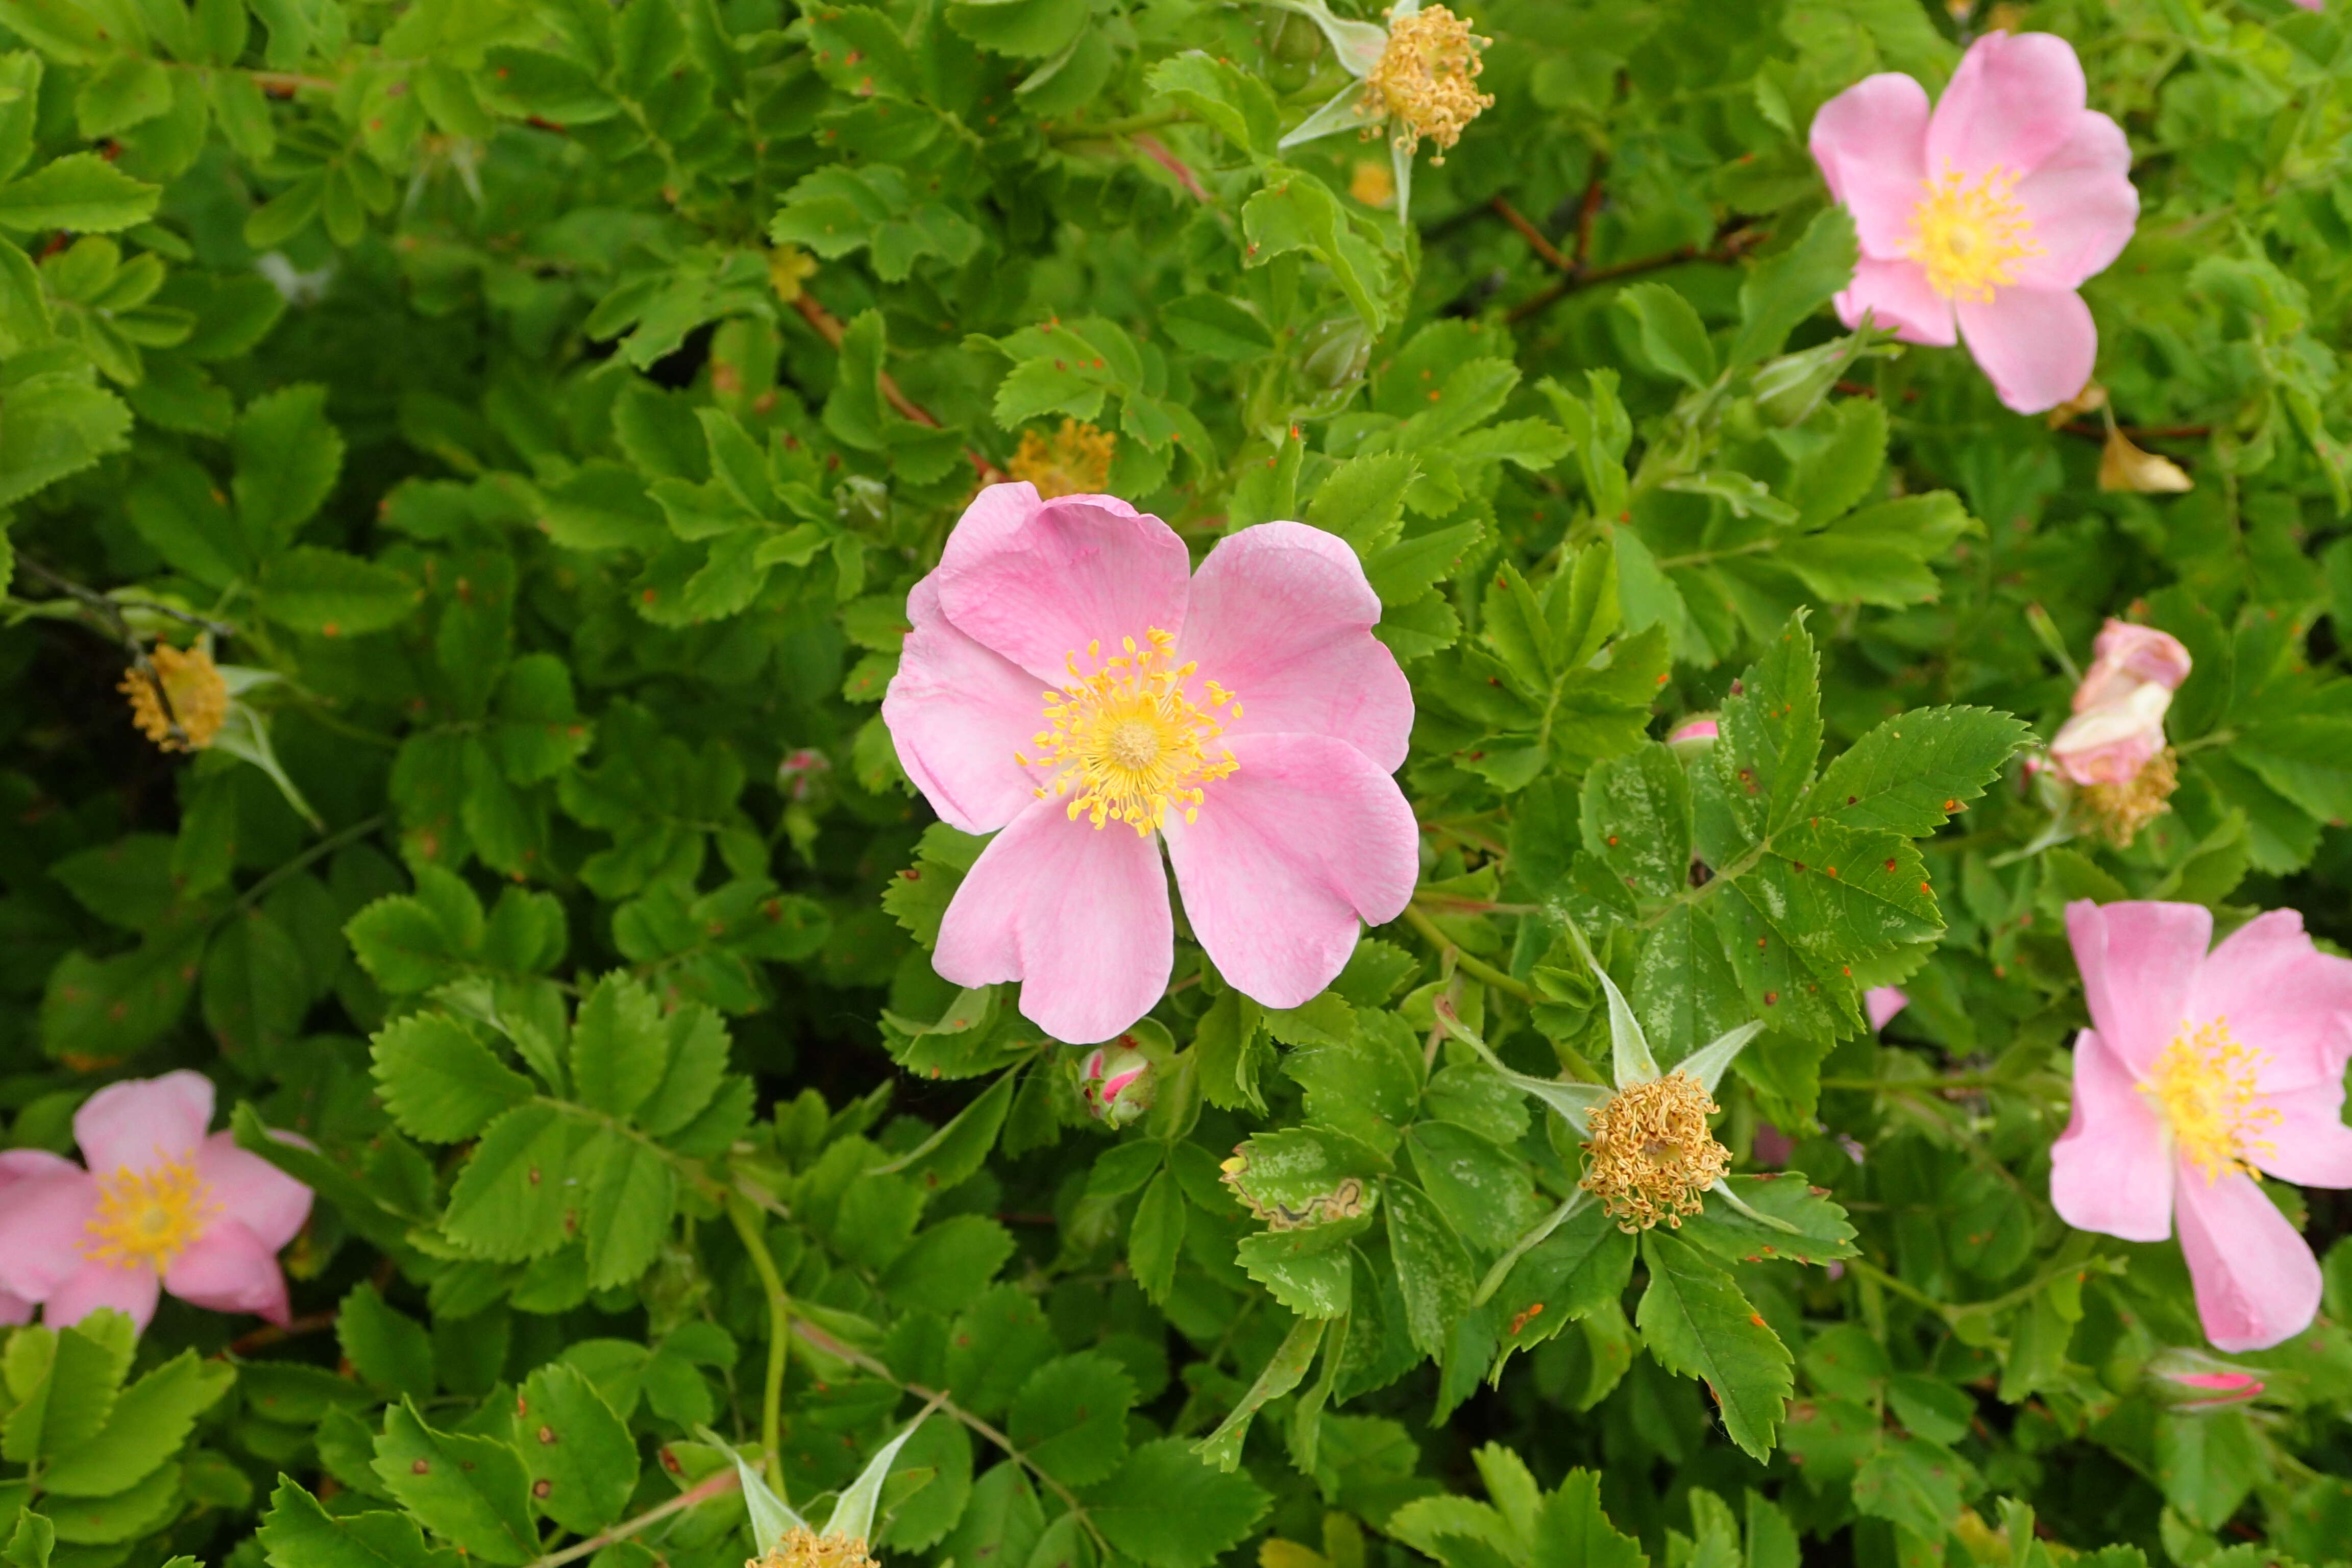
938	1400
1731	243
779	1327
713	1485
1475	967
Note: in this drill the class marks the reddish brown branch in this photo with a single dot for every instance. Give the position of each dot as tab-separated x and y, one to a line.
271	1333
1533	236
1729	246
829	327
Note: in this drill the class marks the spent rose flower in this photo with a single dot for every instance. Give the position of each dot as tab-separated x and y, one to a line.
1070	682
1980	219
162	1207
2199	1069
2113	748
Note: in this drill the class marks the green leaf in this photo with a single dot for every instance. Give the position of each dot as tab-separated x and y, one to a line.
440	1083
1214	325
1165	1509
298	1533
1914	1484
1070	1416
1573	1531
515	1199
52	425
288	458
145	1427
582	1460
619	1046
1025	30
630	1201
1432	1269
125	91
1577	1269
1910	773
950	1263
328	593
1220	94
1156	1234
1771	733
1781	290
1295	210
1363	501
1672	337
64	1383
860	51
530	83
81	192
471	1491
1696	1321
389	1350
1285	1371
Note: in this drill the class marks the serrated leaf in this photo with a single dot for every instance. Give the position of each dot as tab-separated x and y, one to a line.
515	1197
440	1083
1070	1416
1911	772
390	1349
580	1458
1284	1371
1165	1509
145	1427
1696	1321
1771	732
620	1048
81	192
471	1491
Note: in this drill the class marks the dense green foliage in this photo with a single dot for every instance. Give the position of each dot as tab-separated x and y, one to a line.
541	408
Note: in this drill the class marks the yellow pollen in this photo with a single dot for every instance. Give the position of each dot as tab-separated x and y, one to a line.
1968	235
2205	1087
1127	743
807	1549
147	1218
197	696
1075	460
1428	77
2117	811
1651	1156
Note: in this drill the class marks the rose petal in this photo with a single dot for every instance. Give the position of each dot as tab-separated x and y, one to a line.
958	715
1077	571
2081	203
2309	1144
2036	345
2257	1283
144	1122
1307	837
2111	743
2111	1171
257	1195
229	1269
2013	102
14	1310
2280	996
1078	914
1871	142
1281	614
43	1222
1896	295
133	1292
2124	655
1882	1003
2138	961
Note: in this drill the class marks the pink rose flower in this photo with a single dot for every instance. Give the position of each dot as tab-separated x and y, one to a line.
1980	220
16	1167
2119	708
1070	682
162	1207
2199	1069
1882	1003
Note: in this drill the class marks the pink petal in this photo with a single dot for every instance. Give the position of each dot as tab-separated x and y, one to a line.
2310	4
1871	142
2037	345
1697	729
2081	203
2111	742
25	1164
44	1221
1882	1003
144	1122
2124	655
257	1195
958	715
2012	104
130	1291
2111	1169
2138	961
229	1269
1305	837
1078	914
2257	1283
14	1310
2309	1144
2281	997
1076	571
1281	615
1896	295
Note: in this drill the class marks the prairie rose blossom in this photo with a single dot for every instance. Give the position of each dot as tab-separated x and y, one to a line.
1071	683
2199	1069
162	1207
1980	220
2119	708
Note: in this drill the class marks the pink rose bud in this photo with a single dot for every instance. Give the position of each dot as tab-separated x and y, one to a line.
1771	1147
1118	1083
803	773
1882	1003
1693	730
2190	1381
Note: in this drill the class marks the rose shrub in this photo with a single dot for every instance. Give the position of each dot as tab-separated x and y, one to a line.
1042	783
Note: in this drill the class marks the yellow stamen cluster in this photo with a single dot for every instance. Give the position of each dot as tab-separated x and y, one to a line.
1968	235
1651	1156
2206	1087
807	1549
1073	461
196	693
1428	77
147	1218
2118	811
1127	742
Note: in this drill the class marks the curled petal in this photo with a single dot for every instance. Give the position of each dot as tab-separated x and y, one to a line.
2257	1283
228	1269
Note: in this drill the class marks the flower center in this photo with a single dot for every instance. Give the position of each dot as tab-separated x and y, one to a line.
1968	235
1651	1156
2204	1087
807	1549
2118	811
192	694
1075	460
1125	742
1428	76
147	1218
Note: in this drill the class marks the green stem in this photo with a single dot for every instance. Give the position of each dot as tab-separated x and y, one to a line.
1880	1276
319	851
779	1327
709	1486
1475	967
1128	126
